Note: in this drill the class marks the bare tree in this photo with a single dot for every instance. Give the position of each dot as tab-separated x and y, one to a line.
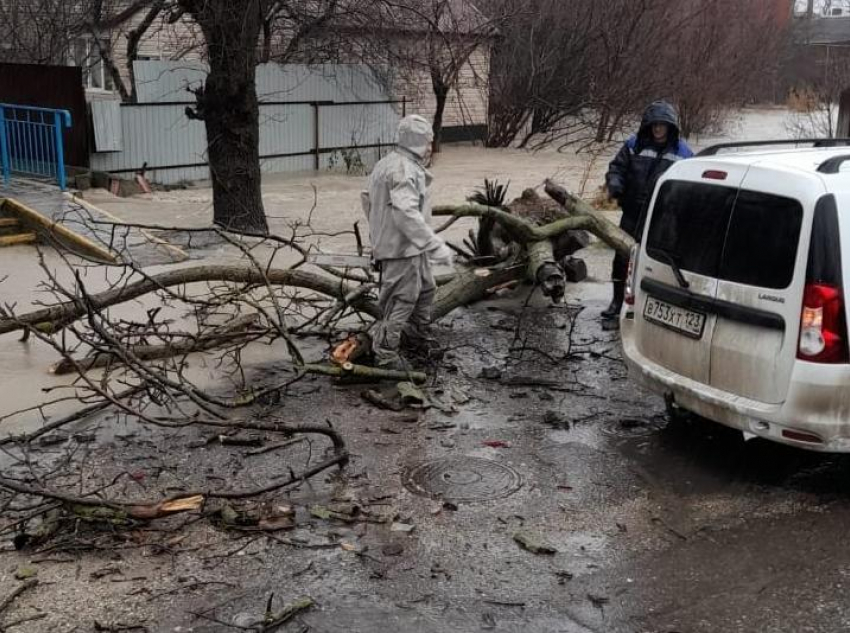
718	55
822	76
46	32
584	65
36	32
228	105
431	42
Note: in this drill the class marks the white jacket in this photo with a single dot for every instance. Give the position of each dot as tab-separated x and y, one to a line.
396	199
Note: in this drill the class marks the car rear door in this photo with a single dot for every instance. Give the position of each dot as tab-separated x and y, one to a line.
760	284
690	215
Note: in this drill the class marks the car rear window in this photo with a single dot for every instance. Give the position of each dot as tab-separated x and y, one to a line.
742	236
761	247
689	223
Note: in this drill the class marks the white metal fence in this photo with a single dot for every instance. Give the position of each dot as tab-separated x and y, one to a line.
310	118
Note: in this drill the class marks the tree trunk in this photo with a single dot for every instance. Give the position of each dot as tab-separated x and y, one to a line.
228	106
441	94
602	124
134	39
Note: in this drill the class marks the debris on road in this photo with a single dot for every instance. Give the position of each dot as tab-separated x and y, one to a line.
533	543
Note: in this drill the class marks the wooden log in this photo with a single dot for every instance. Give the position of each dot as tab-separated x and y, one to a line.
463	289
605	230
471	286
49	319
544	271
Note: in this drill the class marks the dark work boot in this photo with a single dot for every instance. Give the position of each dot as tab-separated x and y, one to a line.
613	310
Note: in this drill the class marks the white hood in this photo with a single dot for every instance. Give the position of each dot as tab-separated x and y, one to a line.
415	135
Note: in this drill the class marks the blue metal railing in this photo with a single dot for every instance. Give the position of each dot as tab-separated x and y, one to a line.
31	142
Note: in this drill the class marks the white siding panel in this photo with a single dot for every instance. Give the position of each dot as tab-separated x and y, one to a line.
286	129
106	120
161	136
358	125
157	133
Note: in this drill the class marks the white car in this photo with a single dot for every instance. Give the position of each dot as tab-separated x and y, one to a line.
737	302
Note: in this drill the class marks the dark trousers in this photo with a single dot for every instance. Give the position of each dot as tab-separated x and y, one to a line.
620	267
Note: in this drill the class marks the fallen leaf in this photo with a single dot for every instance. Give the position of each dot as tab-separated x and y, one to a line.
346	513
274	524
410	393
533	543
392	549
402	527
22	573
321	512
379	400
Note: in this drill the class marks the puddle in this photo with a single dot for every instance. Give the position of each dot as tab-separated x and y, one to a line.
632	427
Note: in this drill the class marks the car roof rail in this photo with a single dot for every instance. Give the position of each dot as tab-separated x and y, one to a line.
814	142
833	165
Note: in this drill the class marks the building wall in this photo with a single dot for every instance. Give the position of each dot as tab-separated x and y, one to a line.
468	102
162	41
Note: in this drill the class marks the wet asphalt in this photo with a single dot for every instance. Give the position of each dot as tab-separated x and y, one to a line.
657	525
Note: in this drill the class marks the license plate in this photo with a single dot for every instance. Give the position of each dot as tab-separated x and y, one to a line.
678	319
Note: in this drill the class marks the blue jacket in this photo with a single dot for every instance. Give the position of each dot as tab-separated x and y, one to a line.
639	164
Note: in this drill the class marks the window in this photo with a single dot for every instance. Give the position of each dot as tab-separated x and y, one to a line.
741	236
85	53
689	224
761	248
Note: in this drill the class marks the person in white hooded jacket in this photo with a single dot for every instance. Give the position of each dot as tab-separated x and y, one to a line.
397	206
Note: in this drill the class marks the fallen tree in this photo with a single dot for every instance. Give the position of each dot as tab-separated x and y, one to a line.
140	365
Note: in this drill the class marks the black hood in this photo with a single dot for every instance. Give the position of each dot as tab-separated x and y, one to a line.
659	112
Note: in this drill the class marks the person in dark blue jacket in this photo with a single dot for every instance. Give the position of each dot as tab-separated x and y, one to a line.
632	176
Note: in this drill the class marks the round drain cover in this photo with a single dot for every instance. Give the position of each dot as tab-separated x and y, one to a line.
634	427
462	479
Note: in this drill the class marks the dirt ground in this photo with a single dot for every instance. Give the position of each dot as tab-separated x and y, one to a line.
535	435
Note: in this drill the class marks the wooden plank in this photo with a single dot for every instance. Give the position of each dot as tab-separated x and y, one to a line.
37	221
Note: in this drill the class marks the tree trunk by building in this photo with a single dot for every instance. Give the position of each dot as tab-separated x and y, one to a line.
441	95
229	107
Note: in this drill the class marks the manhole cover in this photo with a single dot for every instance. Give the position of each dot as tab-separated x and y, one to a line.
462	479
634	427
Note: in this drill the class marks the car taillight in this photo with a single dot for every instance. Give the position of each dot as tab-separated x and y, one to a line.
823	330
629	296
